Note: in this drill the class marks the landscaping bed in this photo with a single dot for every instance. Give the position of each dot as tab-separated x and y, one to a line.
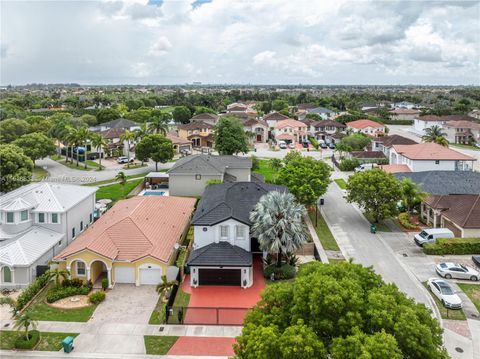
47	341
73	302
159	345
158	315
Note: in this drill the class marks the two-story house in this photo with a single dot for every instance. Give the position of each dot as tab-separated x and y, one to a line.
199	132
324	129
206	117
367	127
462	132
273	118
290	131
223	245
430	157
421	123
323	112
385	143
37	221
190	175
257	128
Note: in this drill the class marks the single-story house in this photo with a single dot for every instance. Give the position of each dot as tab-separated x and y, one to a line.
223	245
458	212
367	127
430	157
190	175
135	242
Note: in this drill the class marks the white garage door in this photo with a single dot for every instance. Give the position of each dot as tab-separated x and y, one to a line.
150	275
124	275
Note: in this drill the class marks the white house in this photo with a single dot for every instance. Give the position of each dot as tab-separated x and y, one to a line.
36	222
223	246
421	123
367	127
430	157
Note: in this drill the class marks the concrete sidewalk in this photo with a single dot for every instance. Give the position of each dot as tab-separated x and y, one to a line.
10	354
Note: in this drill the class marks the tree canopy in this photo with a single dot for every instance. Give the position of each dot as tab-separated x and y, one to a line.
376	191
107	114
338	311
354	142
230	137
181	114
15	167
36	145
155	147
12	129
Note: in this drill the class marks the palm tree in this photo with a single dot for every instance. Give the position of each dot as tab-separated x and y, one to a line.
411	194
142	131
11	303
434	134
25	321
158	125
57	274
121	177
99	142
164	287
127	136
278	223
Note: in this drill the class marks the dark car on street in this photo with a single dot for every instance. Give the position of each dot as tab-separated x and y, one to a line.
476	260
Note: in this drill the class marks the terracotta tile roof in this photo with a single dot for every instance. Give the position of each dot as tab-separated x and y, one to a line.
395	168
195	125
285	136
177	140
135	228
290	123
364	123
461	209
430	151
463	124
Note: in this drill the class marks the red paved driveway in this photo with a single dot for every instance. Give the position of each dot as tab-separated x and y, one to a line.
203	346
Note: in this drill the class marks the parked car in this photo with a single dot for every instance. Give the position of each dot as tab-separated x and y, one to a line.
455	270
291	145
305	144
444	292
124	159
331	146
323	145
476	260
429	235
365	167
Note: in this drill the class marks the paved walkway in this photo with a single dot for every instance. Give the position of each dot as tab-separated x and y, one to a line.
197	346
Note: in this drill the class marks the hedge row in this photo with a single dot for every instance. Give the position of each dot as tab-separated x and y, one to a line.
22	343
29	292
453	246
60	292
286	271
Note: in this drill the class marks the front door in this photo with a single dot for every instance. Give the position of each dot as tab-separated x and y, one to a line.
259	138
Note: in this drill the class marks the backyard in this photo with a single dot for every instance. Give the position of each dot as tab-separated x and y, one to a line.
266	171
117	191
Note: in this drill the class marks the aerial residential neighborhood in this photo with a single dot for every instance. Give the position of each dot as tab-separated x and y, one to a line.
231	179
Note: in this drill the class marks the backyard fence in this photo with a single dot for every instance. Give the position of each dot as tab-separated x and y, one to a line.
205	315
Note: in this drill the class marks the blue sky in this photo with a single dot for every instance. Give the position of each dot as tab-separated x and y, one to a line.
257	42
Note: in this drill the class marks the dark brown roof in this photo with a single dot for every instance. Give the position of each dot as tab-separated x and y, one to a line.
112	133
275	116
195	125
205	116
254	121
461	209
305	106
368	154
328	123
389	141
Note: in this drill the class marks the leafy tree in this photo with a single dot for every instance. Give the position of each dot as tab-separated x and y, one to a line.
155	147
78	137
354	142
127	137
285	112
255	163
13	128
15	168
57	274
141	115
264	106
230	137
338	311
181	114
306	178
121	178
25	321
107	114
436	135
313	116
39	124
279	105
90	120
376	191
36	145
203	109
411	194
278	224
275	164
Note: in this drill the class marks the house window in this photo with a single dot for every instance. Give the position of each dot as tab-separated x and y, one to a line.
41	218
73	232
54	217
81	269
7	275
60	243
239	232
437	162
224	233
81	226
24	215
198	177
9	217
91	218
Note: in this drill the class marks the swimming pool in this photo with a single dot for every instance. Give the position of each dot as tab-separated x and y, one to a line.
153	193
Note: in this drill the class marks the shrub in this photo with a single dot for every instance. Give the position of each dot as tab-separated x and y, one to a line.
75	282
404	220
97	297
453	246
29	292
286	271
22	343
313	141
255	163
104	283
349	164
60	292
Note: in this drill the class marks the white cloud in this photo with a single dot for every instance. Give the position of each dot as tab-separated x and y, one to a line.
268	41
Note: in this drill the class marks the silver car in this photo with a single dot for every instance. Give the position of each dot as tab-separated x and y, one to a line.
445	293
455	270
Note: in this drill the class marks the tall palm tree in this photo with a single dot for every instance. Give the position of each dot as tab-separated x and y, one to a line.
127	136
72	139
434	134
411	194
57	274
142	132
98	142
278	224
164	287
158	124
121	177
25	321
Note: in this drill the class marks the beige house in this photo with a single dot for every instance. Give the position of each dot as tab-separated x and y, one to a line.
258	130
290	131
198	132
462	132
404	114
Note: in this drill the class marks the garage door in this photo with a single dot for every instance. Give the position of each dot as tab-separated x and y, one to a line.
220	276
124	275
150	275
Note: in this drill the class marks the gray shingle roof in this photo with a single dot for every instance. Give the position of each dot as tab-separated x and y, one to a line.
231	200
445	182
119	123
220	254
319	110
207	164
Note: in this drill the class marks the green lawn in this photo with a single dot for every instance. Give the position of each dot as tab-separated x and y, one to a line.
341	183
181	300
81	165
38	174
473	292
323	232
48	341
159	345
265	170
468	147
116	191
94	164
56	157
39	310
138	175
444	312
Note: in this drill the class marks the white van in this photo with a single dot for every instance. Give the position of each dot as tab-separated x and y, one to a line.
429	235
365	167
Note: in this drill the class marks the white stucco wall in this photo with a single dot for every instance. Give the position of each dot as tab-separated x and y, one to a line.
419	166
81	212
419	125
187	185
212	235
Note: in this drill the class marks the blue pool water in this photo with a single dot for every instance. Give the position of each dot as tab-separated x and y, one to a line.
153	193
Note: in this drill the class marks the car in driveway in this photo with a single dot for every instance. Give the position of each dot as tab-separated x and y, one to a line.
445	293
124	159
455	270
